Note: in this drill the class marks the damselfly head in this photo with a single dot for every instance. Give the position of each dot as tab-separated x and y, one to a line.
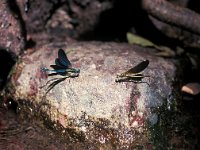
76	70
121	75
44	69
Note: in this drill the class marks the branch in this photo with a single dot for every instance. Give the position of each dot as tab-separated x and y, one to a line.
172	14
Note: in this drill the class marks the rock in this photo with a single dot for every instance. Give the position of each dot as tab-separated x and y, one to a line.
60	20
11	30
93	105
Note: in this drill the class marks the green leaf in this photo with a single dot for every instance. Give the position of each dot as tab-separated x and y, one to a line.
135	39
163	51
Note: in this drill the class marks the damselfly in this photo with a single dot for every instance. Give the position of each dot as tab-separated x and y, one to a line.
62	66
134	74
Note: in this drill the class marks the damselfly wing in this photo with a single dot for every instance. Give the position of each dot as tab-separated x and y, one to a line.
62	59
62	62
134	74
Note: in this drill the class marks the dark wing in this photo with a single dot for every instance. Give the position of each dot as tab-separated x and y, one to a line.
138	68
62	59
59	64
56	67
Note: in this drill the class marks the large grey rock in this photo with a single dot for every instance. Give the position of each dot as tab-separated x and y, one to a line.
93	104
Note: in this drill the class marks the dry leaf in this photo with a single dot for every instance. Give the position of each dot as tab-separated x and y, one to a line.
191	88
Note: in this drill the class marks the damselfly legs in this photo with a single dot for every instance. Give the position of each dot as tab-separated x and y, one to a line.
62	67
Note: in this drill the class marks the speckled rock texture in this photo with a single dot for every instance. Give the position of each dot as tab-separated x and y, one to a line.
11	33
93	104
